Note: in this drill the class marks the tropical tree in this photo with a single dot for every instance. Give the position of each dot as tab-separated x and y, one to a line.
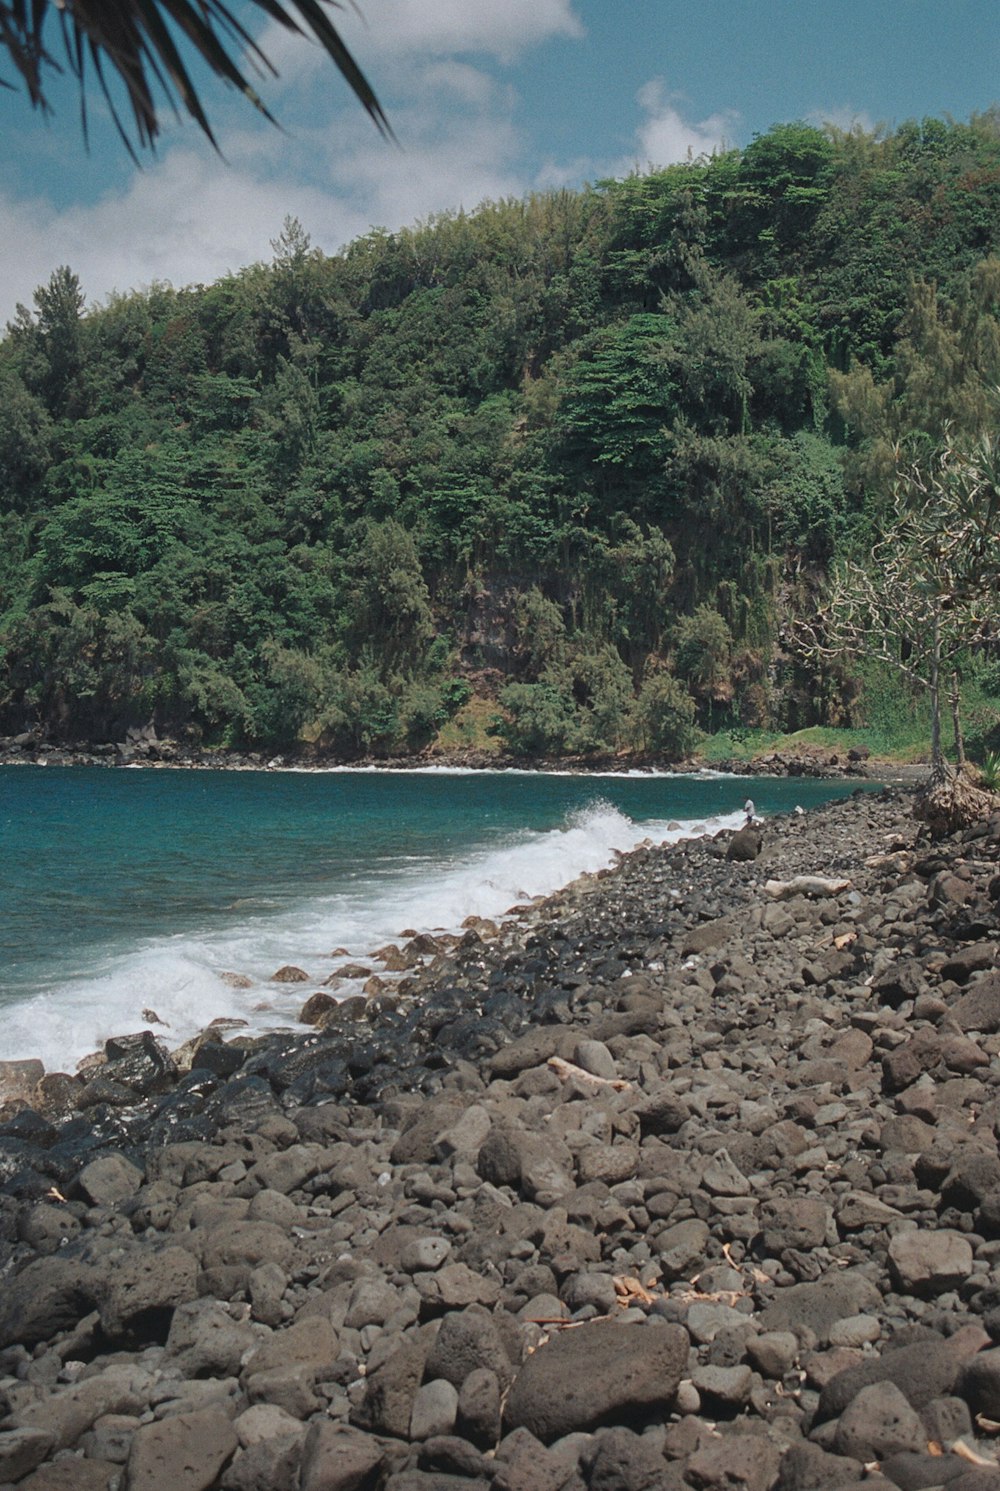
704	654
144	43
930	593
663	714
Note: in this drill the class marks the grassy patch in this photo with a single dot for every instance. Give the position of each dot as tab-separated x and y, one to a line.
745	745
469	730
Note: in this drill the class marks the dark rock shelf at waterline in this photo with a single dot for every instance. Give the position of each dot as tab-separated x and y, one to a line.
687	1179
142	747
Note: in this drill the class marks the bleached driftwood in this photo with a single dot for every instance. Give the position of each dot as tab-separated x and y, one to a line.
567	1070
815	886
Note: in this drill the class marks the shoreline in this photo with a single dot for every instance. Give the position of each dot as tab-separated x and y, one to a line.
146	752
690	1182
381	961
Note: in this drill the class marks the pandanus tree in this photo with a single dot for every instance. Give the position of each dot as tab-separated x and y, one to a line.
149	45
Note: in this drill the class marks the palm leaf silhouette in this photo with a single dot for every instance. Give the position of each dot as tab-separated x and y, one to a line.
144	43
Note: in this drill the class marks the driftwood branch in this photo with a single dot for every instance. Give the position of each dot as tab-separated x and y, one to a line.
568	1071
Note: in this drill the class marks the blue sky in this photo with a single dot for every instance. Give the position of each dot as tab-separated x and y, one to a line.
488	98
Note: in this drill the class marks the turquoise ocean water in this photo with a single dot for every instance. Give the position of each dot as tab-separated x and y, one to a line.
122	890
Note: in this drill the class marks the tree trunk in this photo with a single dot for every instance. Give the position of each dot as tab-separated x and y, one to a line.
939	771
956	720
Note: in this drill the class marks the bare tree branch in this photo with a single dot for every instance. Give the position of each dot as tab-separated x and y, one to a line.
931	591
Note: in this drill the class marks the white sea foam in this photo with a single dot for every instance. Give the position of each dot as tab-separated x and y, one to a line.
179	977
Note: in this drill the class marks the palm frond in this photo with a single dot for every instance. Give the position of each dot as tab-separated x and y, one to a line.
144	42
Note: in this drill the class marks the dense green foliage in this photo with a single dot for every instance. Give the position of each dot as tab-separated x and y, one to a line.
583	453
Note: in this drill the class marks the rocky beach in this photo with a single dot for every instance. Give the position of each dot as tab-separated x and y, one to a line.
685	1177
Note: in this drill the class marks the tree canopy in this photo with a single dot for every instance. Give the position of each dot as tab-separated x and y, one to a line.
562	462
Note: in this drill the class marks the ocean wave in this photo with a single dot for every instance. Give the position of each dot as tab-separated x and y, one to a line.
179	976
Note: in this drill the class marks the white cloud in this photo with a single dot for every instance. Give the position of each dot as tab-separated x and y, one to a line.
456	170
446	27
190	217
399	33
665	137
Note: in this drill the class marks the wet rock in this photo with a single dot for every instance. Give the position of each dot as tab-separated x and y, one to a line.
140	1063
383	1221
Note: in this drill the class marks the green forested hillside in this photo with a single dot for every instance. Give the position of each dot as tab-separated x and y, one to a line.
583	455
